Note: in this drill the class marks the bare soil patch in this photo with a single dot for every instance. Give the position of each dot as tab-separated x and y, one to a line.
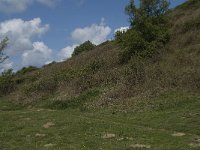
108	136
140	146
178	134
48	125
40	135
49	145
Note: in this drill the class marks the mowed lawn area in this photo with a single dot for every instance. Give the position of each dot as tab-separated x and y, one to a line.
171	127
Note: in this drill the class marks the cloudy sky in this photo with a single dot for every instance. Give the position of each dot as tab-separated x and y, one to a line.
41	31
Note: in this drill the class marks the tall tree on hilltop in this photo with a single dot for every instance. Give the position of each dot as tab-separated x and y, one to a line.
147	9
148	31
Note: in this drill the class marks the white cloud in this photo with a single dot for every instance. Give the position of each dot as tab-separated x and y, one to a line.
21	33
38	56
6	65
13	6
23	42
96	33
122	29
66	52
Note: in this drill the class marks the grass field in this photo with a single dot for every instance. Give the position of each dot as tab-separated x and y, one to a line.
163	127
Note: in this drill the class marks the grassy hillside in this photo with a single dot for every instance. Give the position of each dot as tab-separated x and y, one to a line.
99	70
91	101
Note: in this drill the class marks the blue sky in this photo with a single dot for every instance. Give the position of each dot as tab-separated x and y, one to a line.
41	31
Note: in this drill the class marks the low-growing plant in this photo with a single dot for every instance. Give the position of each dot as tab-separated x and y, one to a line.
74	102
45	86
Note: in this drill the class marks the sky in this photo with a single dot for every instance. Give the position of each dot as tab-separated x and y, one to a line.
42	31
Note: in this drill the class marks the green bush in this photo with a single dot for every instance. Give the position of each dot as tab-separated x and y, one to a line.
86	46
149	30
6	82
132	43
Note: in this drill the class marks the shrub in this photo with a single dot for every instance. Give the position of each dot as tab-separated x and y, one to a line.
86	46
6	82
149	30
132	43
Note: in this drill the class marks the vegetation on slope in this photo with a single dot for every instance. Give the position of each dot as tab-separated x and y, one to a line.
150	103
86	46
175	68
149	30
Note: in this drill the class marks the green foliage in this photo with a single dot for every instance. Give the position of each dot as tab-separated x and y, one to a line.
25	70
149	30
86	46
3	44
132	42
6	82
154	9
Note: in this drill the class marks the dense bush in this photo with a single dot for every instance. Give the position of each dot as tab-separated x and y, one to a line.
6	82
149	30
86	46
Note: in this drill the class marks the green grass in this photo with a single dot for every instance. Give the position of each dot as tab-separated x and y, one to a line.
75	129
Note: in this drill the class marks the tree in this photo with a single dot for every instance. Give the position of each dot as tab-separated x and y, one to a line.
149	29
86	46
154	9
149	18
3	44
